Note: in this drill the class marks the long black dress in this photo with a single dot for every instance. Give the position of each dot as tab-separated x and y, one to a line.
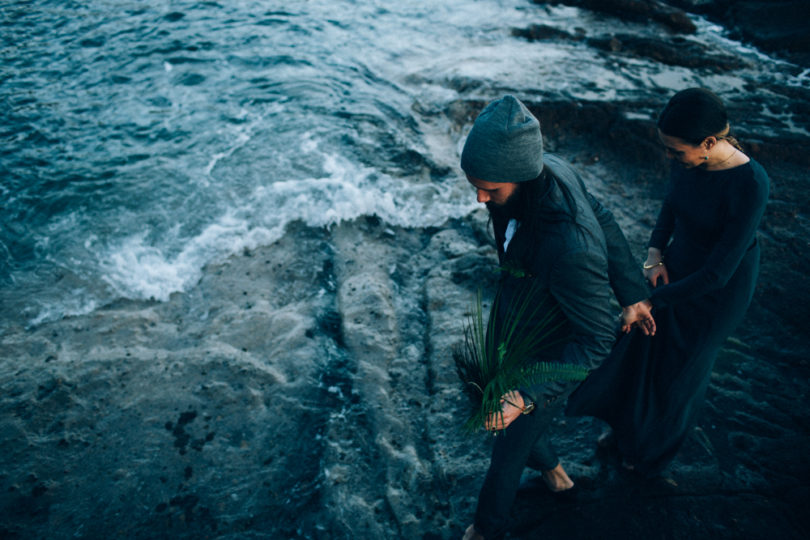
650	388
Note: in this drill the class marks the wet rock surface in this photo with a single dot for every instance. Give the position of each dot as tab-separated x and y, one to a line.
778	26
306	389
675	51
673	18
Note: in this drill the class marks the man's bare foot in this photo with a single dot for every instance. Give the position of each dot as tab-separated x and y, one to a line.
557	479
472	534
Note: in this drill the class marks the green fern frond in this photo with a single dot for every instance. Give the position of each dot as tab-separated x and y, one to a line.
553	371
496	358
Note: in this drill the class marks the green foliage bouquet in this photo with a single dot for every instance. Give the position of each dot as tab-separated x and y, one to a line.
497	358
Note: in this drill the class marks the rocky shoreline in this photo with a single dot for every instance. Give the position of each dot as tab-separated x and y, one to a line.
306	389
778	27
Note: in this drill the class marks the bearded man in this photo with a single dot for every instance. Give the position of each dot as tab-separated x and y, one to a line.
568	248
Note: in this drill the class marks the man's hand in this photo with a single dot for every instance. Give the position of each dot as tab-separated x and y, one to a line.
512	407
638	315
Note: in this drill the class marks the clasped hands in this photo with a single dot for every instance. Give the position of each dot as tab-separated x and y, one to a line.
638	315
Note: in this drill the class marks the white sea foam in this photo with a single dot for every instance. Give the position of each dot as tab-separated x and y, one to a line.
136	268
76	302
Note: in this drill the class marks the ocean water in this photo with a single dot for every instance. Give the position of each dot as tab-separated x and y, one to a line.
143	140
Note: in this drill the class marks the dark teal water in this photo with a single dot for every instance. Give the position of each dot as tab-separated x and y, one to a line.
141	140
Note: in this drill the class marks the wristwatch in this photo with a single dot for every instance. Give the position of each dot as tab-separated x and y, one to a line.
528	405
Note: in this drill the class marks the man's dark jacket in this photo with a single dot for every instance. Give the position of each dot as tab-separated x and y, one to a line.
577	264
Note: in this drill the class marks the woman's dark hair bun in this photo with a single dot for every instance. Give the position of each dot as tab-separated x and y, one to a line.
692	115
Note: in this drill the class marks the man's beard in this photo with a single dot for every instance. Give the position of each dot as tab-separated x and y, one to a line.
510	209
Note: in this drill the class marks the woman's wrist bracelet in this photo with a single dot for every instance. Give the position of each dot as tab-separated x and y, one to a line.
651	266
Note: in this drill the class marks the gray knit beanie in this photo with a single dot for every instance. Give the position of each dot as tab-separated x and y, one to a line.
505	144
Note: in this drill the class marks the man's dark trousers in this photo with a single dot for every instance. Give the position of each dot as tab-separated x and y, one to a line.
525	443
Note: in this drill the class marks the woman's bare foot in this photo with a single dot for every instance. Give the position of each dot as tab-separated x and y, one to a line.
557	479
472	534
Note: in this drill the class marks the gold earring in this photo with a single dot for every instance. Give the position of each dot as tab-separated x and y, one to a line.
706	158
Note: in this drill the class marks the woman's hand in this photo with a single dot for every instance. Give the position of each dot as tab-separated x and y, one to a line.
657	273
512	407
654	268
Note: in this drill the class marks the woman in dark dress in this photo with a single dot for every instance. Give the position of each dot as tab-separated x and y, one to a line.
702	262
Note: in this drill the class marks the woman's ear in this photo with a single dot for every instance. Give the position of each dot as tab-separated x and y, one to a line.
709	142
